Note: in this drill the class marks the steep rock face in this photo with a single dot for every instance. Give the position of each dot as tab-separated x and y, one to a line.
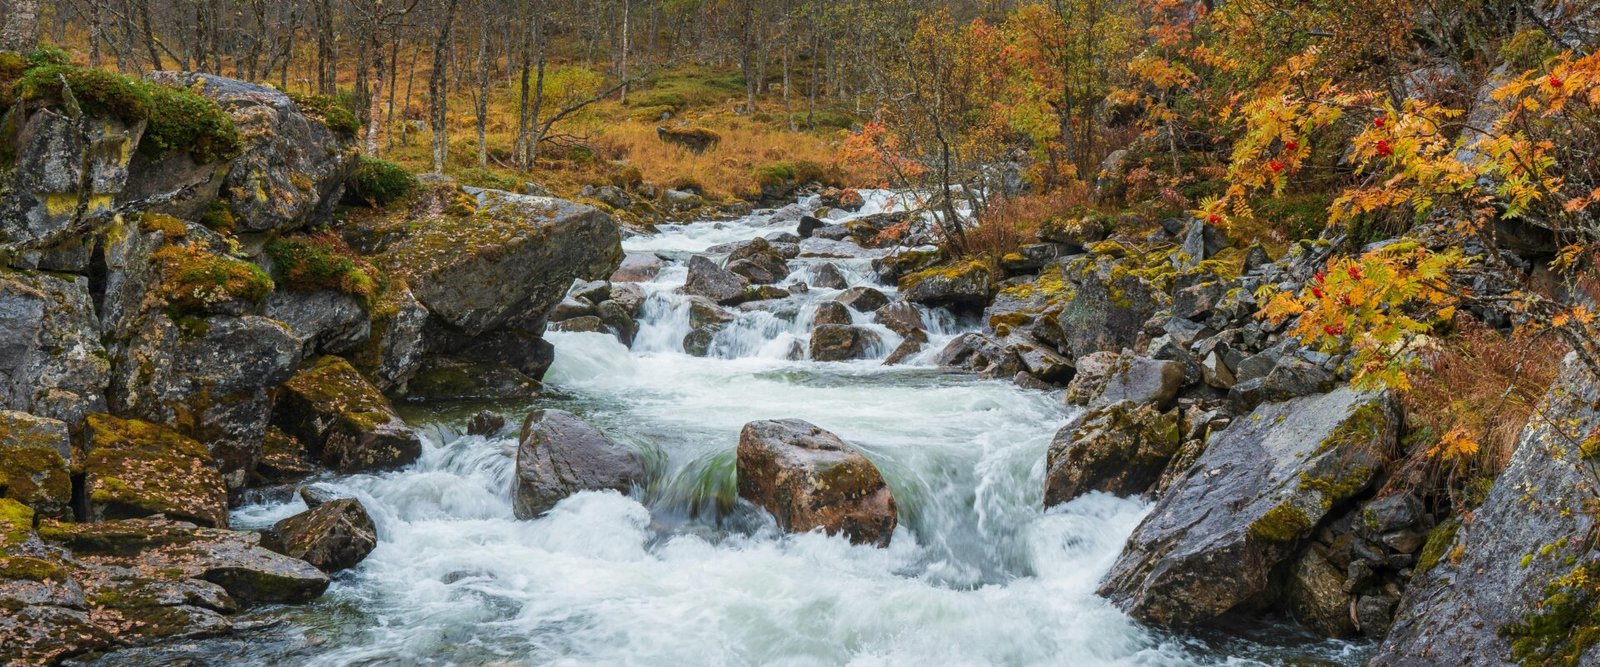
560	455
344	422
505	265
137	469
68	172
293	167
1480	592
34	457
1261	486
330	322
51	360
808	478
335	535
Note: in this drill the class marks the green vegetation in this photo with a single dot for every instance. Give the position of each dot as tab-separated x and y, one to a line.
1282	523
1564	625
197	282
380	182
794	173
218	218
486	178
322	261
183	120
334	113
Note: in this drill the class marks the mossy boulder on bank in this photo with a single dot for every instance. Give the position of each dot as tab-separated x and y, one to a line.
968	285
34	457
1121	448
344	421
136	469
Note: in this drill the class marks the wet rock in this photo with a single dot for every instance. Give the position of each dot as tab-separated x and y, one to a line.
912	345
1107	377
863	299
560	455
571	307
283	459
1121	449
1031	258
317	495
840	342
136	469
965	285
34	456
1480	586
708	280
1201	241
900	317
344	422
1039	359
1108	308
1289	378
826	276
508	264
891	268
64	177
758	262
394	351
808	226
977	353
330	322
586	324
1260	487
809	479
333	536
1317	595
293	167
51	361
831	312
486	423
638	268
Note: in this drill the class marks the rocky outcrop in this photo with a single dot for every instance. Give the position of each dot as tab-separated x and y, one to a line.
1505	585
967	285
35	453
51	361
1260	488
809	479
1108	305
1120	449
136	469
560	455
345	423
334	535
67	174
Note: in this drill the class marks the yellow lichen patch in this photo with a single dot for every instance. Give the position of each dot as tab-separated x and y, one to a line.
169	226
336	387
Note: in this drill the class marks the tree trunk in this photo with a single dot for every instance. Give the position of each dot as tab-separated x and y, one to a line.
437	93
622	70
375	92
483	92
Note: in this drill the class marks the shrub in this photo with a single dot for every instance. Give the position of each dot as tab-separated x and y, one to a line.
794	173
380	182
322	261
831	119
49	54
329	111
97	92
196	282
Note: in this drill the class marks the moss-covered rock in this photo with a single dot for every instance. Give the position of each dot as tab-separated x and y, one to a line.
344	421
136	469
323	262
333	536
34	457
969	284
1121	449
196	282
810	479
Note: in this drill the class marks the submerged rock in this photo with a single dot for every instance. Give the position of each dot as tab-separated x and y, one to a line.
560	455
1261	486
344	422
334	535
808	478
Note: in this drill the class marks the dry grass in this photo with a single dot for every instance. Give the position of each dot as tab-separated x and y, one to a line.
1013	222
1483	385
727	169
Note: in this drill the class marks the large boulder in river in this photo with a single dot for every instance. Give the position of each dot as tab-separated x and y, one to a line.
758	262
294	165
1120	449
808	478
708	280
505	264
333	536
1211	543
1514	583
51	360
840	342
965	285
344	422
982	355
560	455
35	453
137	469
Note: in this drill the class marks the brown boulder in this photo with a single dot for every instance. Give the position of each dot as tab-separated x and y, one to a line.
808	478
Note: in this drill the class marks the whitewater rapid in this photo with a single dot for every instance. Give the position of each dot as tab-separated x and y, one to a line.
678	573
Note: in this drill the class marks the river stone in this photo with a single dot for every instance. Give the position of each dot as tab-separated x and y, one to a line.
980	354
840	342
66	175
1261	486
34	457
863	299
330	322
912	345
1039	360
1108	306
486	423
900	317
1478	587
560	455
964	285
506	265
344	422
826	276
638	268
293	168
333	536
831	312
808	478
1121	449
758	262
136	469
708	280
51	361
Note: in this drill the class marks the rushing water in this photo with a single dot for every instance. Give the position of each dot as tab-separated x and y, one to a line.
678	573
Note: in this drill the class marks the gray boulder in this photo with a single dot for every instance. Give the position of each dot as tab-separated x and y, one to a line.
1108	377
1121	449
965	285
35	455
1211	543
330	322
638	268
560	455
826	276
809	479
1487	591
980	354
863	299
66	176
831	312
708	280
343	421
758	262
51	361
1108	308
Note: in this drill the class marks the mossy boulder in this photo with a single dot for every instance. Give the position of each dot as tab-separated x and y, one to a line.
35	453
333	536
968	285
809	479
344	421
52	363
560	454
136	469
1114	292
505	263
65	177
1212	542
1121	448
1505	584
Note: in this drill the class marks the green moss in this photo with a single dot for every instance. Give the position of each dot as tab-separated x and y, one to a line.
1282	523
16	521
196	282
1363	428
380	182
1563	626
31	569
178	119
35	474
332	112
1439	541
170	227
218	218
947	272
331	382
136	468
486	178
322	261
